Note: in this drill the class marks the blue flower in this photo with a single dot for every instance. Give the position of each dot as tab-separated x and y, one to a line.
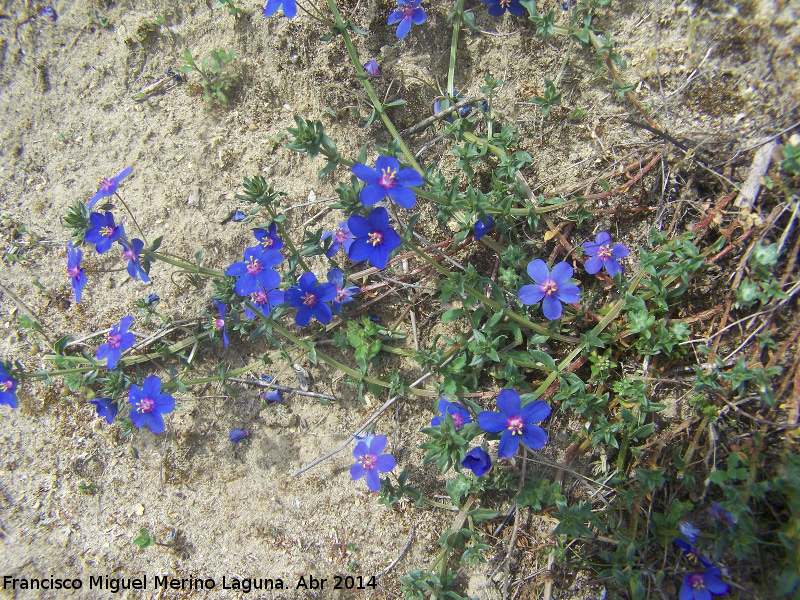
407	13
117	340
219	322
343	294
550	285
603	254
149	404
131	254
268	237
264	302
386	179
720	514
689	531
445	103
254	272
515	421
105	408
341	238
477	461
701	586
272	396
310	298
239	215
237	435
48	12
692	553
371	67
375	240
77	278
457	411
370	462
103	231
108	187
8	386
289	8
498	7
481	227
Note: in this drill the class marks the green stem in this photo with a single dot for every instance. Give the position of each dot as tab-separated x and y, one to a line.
286	238
304	345
493	303
457	18
186	266
362	75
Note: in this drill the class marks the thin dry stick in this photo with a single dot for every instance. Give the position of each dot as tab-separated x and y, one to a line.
402	553
280	387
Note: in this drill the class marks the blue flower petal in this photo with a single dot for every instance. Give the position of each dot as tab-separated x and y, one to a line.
530	294
551	307
568	293
385	463
403	28
593	265
357	471
373	480
419	16
509	444
372	194
402	196
538	271
409	178
492	422
534	437
562	272
386	163
509	403
359	226
535	411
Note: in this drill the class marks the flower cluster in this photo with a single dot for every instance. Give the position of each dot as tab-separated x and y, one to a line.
254	273
552	287
704	584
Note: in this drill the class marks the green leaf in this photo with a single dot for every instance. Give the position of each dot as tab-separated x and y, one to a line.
482	514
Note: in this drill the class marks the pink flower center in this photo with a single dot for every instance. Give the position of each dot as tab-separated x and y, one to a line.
6	385
128	254
387	174
604	252
108	231
342	295
146	405
267	242
73	272
309	299
260	297
515	425
375	238
696	581
368	461
113	339
219	323
105	184
254	266
340	235
458	421
549	287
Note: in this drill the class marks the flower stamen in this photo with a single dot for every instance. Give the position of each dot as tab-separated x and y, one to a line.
515	425
146	405
6	385
254	267
309	299
375	238
388	174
